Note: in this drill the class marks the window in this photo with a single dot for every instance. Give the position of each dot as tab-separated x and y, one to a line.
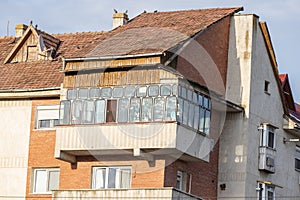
111	177
47	117
83	93
165	90
297	158
147	110
265	192
123	110
45	180
72	94
64	112
267	136
158	110
76	112
179	180
88	112
153	90
111	111
134	110
266	88
99	111
141	91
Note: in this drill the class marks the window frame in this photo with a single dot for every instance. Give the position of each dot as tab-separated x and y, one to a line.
54	117
47	180
265	134
106	180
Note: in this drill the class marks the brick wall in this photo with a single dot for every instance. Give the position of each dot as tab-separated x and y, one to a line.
41	154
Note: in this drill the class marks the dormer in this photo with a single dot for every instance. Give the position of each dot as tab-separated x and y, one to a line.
33	45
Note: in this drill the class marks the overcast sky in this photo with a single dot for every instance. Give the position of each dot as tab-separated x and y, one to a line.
63	16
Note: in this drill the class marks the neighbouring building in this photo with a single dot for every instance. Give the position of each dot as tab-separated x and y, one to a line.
167	105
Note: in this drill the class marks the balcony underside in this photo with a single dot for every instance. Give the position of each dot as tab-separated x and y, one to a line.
128	194
139	140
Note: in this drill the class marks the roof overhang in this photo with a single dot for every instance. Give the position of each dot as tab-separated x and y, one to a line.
30	93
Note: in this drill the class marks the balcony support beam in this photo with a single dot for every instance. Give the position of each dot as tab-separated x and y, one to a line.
137	152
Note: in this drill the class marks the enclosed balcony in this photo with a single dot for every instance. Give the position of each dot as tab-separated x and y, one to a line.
128	194
139	120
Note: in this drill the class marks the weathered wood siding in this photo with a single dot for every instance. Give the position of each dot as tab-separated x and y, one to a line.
103	64
130	77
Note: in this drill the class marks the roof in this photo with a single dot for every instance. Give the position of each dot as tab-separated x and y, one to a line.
146	33
158	31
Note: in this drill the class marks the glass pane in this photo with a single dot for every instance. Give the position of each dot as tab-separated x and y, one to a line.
207	122
165	90
271	140
125	177
205	102
118	92
134	111
88	108
76	112
111	110
190	95
83	93
200	100
40	181
71	94
175	89
129	91
106	92
44	123
141	91
196	117
123	110
191	115
171	109
53	183
99	178
183	92
180	110
158	111
55	122
100	111
94	93
202	120
195	98
185	112
112	178
153	90
147	110
64	112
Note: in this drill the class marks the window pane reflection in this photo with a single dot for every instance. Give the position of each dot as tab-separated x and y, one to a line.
158	112
99	111
123	110
171	109
147	110
134	110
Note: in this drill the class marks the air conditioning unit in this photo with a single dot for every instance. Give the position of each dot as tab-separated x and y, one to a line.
267	159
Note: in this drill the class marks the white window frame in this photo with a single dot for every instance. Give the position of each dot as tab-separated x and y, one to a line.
266	129
46	181
117	183
263	189
49	113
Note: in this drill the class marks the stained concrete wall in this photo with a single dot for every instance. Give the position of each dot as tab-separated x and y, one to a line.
249	66
14	144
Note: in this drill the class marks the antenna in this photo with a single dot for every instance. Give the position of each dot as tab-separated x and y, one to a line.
7	28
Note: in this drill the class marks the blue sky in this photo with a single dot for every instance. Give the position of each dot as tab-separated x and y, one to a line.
63	16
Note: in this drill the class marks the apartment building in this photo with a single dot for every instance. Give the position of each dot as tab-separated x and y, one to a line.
183	104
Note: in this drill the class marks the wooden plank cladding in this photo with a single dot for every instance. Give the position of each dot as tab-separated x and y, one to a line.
102	64
114	78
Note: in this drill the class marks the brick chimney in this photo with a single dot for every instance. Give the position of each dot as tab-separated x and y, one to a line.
20	29
119	19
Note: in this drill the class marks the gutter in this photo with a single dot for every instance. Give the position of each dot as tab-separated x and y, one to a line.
65	60
29	90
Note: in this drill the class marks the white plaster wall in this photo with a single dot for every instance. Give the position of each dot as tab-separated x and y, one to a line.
14	133
248	67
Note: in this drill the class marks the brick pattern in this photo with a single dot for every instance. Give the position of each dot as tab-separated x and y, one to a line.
41	154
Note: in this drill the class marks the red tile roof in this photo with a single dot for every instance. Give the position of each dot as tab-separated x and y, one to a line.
159	31
146	33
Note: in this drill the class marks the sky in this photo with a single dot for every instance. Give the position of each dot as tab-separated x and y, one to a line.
65	16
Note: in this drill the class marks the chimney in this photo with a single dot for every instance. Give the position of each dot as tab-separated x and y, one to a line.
20	29
119	19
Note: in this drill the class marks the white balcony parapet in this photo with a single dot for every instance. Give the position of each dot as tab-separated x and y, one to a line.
145	140
128	194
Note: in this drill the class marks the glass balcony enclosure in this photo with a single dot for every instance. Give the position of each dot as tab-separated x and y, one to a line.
137	104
